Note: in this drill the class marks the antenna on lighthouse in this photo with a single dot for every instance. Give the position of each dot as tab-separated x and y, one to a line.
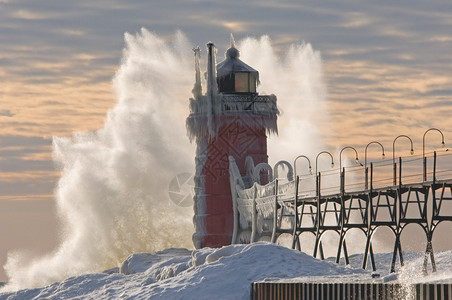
211	71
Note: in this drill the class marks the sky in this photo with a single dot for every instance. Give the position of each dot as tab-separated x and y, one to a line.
387	68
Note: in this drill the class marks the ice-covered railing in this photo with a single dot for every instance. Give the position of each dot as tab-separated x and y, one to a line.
262	200
260	209
411	188
259	111
256	104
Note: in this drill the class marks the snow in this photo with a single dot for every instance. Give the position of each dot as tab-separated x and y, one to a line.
182	274
224	273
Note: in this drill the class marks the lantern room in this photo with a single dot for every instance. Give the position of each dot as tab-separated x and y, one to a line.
234	76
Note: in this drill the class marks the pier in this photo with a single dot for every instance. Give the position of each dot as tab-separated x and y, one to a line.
408	190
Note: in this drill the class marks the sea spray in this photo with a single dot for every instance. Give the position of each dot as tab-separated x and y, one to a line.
296	78
112	197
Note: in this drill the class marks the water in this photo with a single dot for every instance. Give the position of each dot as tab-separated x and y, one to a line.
297	79
112	197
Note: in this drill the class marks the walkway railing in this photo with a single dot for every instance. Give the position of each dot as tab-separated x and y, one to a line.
338	201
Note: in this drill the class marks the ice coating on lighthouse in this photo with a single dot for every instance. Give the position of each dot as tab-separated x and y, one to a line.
230	120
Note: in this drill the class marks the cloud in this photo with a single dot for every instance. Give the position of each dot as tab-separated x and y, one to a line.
6	113
26	166
28	15
71	32
357	19
441	39
23	141
235	26
58	57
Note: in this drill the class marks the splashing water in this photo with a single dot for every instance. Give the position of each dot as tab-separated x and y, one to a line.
112	196
297	80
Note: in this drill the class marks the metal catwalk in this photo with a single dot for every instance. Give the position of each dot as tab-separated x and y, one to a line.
288	207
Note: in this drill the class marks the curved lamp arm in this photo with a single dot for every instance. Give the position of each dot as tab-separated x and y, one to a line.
295	164
340	156
393	146
423	139
317	159
365	152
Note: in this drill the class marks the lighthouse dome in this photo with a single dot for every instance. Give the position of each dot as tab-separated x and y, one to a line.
232	53
235	76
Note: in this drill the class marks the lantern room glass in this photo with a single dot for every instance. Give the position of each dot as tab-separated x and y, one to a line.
245	83
241	83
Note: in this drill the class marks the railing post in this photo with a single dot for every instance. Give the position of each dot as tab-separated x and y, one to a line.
342	218
317	221
342	174
275	213
425	168
371	175
369	212
295	238
434	167
366	175
394	181
254	216
371	215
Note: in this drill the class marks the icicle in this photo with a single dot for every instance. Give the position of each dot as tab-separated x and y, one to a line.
213	101
192	124
197	88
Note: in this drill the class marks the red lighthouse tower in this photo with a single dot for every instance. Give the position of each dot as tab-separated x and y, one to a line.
231	119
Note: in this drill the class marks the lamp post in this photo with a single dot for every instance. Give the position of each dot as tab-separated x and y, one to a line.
342	174
317	159
393	153
340	156
318	189
365	160
295	164
424	159
316	169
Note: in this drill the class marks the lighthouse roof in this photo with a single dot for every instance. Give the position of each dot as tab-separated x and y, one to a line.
232	64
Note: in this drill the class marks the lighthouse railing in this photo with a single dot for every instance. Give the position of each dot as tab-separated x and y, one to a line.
256	111
255	104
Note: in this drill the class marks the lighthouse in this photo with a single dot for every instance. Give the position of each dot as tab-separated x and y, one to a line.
230	119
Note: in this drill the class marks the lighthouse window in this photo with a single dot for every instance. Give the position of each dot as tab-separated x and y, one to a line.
226	84
252	83
242	83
